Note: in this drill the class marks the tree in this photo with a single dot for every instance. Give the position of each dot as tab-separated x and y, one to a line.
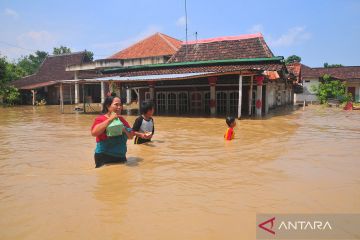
61	50
2	68
331	88
8	72
326	65
292	59
89	55
10	95
31	63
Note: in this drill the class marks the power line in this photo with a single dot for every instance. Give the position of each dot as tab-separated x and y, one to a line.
34	50
13	45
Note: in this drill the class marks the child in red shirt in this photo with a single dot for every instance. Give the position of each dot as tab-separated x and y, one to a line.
230	134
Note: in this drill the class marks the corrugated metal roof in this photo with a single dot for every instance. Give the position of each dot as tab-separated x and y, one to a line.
155	77
144	78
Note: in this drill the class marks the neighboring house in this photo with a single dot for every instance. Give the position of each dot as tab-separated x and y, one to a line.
309	77
44	84
236	75
157	48
349	74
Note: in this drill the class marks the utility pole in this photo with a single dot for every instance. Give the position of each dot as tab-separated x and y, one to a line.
186	32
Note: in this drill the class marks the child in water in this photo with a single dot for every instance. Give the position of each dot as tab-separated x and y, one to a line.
230	134
144	124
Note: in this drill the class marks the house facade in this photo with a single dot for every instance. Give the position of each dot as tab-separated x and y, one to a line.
45	83
231	75
236	75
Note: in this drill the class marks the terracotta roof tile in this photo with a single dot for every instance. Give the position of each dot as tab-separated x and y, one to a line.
308	72
294	68
345	73
158	44
244	46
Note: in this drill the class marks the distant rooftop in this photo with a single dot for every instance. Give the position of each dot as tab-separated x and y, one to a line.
220	48
225	38
158	44
344	73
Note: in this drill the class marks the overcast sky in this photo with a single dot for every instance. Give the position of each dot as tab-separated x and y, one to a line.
318	31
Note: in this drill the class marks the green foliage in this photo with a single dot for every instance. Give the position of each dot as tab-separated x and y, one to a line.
31	63
61	50
326	65
292	59
9	72
330	88
10	95
3	64
89	55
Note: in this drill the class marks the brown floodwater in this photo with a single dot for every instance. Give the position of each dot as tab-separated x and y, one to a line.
187	184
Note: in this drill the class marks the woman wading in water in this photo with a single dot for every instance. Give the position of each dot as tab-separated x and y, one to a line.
112	132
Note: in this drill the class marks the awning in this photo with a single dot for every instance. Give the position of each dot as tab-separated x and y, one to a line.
178	76
156	77
38	85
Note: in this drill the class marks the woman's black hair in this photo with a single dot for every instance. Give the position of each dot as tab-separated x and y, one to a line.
146	106
230	120
108	101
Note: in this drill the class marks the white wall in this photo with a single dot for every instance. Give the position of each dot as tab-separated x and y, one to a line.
308	83
308	95
144	61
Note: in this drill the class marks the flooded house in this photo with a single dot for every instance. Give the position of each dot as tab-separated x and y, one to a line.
311	77
232	75
45	83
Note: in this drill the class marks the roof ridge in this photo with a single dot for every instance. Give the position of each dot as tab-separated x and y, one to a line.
135	43
335	67
167	41
265	46
225	38
66	54
165	35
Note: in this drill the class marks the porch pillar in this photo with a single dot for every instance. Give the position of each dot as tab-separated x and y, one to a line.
128	95
267	100
212	104
152	90
61	98
102	92
33	91
240	96
259	100
111	87
77	92
118	89
251	95
137	91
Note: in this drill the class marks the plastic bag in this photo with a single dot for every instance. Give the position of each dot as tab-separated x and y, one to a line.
114	128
